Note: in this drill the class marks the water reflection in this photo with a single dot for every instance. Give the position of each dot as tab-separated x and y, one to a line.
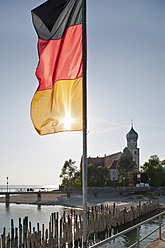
39	207
36	214
131	237
41	214
7	205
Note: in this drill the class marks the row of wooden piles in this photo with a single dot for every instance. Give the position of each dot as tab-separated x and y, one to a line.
66	230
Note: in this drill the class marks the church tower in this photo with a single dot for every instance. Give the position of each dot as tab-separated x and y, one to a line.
132	138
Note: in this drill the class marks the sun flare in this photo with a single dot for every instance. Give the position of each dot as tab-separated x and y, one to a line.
68	120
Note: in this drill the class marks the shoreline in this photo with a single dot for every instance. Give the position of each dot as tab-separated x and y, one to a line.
75	200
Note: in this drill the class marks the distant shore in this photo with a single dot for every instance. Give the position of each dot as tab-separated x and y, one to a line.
75	200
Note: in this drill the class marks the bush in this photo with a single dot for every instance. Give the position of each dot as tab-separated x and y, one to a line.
130	185
139	197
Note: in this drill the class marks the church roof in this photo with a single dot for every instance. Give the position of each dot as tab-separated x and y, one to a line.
132	134
110	161
98	161
114	164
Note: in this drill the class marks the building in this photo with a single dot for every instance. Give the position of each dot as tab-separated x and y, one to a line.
132	138
109	161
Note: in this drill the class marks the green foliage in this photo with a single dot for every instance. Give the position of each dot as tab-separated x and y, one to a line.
130	185
144	177
97	176
111	183
68	169
139	197
152	197
154	171
126	165
133	179
70	175
163	163
120	183
154	160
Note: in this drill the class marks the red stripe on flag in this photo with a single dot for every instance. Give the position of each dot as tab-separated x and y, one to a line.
60	59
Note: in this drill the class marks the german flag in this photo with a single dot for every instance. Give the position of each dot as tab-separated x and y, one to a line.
57	103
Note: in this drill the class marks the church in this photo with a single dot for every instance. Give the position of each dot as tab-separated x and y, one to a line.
132	138
110	161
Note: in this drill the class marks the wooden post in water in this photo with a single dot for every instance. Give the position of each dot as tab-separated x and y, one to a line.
100	218
3	237
7	199
56	229
61	232
20	233
8	241
39	196
12	233
16	238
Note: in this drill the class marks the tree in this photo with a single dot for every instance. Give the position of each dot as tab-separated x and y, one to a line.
154	160
97	175
68	172
126	166
163	163
154	171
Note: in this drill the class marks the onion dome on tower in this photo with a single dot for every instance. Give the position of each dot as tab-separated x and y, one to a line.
132	134
132	138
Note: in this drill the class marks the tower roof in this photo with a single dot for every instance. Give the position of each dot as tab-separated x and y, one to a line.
132	134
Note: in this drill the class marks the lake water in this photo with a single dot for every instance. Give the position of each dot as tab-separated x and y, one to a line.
130	238
41	214
36	214
27	187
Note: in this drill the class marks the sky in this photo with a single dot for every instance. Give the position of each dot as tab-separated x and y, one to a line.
125	81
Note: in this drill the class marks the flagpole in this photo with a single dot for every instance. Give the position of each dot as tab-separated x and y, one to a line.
84	49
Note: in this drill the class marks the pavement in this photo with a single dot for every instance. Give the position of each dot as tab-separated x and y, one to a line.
157	243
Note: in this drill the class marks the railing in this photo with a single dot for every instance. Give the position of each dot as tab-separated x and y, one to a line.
138	232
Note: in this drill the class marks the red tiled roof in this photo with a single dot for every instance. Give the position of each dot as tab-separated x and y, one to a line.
110	160
96	161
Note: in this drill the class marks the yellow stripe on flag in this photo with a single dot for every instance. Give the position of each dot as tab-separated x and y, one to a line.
58	109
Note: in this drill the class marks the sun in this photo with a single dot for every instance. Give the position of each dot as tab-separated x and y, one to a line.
67	121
